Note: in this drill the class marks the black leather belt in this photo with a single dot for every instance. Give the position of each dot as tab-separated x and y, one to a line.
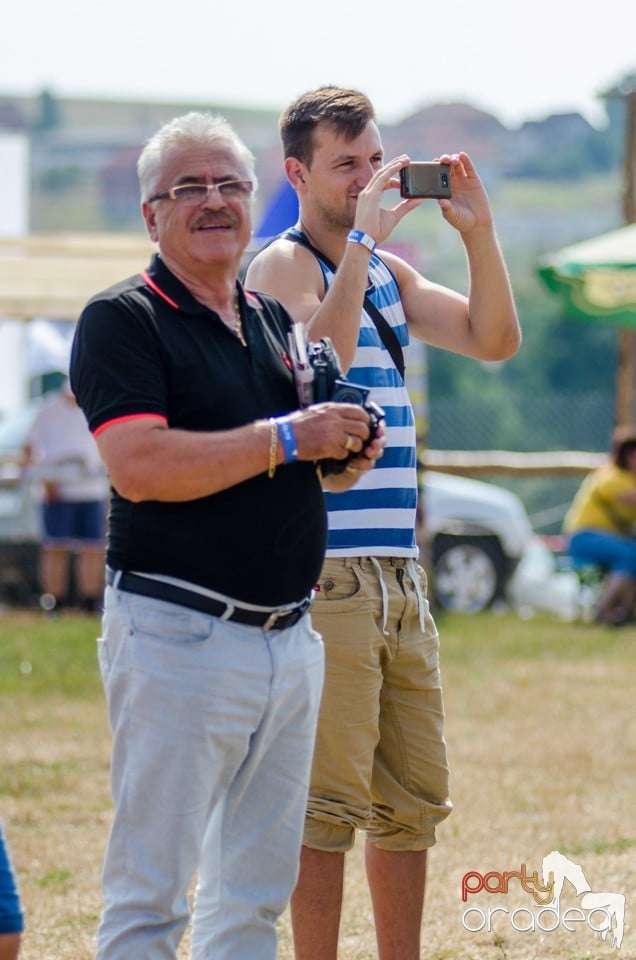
159	590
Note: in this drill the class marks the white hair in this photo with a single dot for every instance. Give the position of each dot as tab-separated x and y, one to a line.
190	129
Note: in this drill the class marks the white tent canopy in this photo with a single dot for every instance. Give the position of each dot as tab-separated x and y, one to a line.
54	275
46	279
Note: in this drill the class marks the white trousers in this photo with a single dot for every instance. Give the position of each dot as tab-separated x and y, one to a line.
213	730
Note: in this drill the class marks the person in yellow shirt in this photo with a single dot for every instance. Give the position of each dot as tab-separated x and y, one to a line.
600	526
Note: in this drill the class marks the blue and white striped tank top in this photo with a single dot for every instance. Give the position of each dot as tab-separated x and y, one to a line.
376	518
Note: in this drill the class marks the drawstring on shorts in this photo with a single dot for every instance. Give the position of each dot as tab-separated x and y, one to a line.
411	567
385	595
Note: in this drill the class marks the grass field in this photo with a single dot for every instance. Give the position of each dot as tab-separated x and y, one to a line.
542	741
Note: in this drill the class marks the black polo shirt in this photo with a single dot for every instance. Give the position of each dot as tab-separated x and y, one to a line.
146	346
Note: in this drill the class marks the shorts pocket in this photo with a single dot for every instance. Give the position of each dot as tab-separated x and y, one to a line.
339	588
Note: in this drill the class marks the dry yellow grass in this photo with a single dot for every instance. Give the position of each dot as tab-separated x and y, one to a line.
543	756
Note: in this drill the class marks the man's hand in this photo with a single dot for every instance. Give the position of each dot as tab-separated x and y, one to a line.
468	207
367	459
330	430
371	217
357	466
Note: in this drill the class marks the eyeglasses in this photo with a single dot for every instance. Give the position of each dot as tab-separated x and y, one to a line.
196	193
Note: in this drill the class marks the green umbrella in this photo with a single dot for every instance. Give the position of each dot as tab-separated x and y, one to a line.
596	279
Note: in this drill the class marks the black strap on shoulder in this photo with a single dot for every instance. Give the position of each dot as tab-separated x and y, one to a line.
387	335
385	330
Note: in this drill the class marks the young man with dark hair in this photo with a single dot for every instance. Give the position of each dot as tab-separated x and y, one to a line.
380	757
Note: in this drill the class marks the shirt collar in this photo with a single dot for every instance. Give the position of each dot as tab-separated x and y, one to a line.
167	286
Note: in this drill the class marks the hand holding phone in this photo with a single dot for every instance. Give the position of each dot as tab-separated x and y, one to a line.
425	179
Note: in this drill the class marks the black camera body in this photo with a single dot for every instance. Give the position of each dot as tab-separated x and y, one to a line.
319	378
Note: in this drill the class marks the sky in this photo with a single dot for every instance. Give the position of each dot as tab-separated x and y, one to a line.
517	62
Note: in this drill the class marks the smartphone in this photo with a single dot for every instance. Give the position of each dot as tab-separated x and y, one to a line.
425	179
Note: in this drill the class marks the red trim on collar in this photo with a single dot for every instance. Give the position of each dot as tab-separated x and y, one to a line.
157	289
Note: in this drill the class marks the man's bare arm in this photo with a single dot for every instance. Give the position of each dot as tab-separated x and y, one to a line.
147	460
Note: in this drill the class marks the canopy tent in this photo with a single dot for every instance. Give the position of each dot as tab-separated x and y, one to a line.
45	282
596	279
54	275
596	283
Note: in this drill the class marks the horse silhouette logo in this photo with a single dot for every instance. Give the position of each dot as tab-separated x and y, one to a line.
557	868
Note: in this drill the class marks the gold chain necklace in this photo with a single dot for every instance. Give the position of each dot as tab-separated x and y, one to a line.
237	326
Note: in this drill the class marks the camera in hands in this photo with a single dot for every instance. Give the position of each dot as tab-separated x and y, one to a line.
319	378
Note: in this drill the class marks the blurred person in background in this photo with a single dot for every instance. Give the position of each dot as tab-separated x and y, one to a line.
64	462
11	915
600	526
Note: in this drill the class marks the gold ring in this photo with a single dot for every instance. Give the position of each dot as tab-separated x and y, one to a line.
350	469
349	442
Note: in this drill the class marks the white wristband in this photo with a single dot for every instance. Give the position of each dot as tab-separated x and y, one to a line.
357	236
